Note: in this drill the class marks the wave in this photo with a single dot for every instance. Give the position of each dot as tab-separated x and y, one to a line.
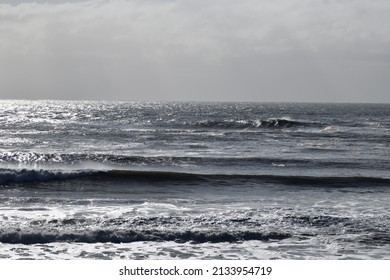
25	175
71	158
166	175
8	176
74	158
253	123
242	179
226	227
84	159
127	236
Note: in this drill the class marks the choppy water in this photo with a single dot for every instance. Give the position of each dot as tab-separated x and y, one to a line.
112	180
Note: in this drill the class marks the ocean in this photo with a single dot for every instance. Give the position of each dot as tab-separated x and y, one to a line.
188	180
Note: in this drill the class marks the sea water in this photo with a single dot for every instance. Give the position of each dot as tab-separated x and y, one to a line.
164	180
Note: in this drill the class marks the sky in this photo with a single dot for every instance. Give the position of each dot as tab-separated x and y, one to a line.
195	50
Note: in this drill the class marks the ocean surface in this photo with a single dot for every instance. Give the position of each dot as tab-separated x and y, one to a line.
128	180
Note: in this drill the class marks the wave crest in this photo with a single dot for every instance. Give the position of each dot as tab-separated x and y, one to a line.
250	123
41	175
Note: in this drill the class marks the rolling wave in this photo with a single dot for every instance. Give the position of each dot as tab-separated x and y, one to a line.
72	159
253	123
8	176
288	180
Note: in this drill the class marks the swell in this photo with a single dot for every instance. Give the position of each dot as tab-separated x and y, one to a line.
256	123
292	180
8	176
128	236
31	175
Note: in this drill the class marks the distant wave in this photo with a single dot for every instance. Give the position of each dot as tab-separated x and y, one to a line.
26	176
127	236
251	123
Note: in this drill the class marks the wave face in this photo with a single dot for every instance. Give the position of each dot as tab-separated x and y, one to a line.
145	180
9	176
83	159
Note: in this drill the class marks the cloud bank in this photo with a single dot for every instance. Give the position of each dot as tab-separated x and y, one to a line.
249	50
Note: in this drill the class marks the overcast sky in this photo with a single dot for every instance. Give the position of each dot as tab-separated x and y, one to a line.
217	50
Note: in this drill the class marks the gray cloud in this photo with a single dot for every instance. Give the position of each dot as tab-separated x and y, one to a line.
250	50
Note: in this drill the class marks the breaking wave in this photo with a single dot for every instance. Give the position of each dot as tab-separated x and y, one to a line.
75	158
127	236
250	123
25	175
